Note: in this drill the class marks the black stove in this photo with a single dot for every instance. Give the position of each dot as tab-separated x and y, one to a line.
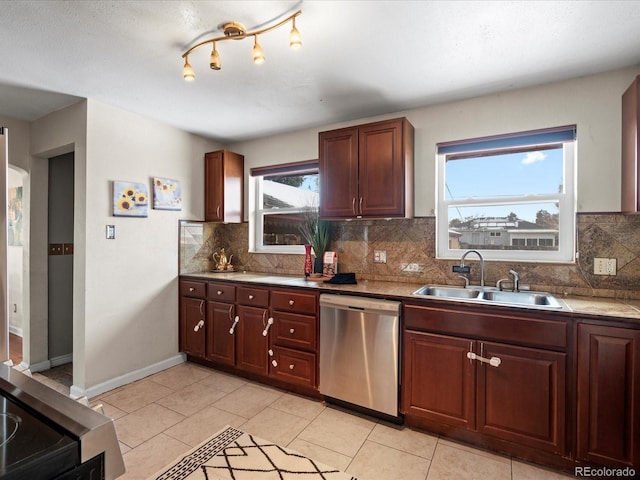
45	435
30	448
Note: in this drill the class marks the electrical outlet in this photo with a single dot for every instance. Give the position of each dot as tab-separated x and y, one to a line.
412	267
604	266
379	256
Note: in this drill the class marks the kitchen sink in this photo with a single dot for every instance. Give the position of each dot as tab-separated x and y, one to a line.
449	292
523	298
491	296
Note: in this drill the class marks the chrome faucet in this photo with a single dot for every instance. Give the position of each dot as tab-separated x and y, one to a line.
516	280
481	263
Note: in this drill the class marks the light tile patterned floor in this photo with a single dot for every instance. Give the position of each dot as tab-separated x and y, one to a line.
163	416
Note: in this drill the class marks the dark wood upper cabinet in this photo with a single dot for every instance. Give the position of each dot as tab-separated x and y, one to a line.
223	187
630	143
367	170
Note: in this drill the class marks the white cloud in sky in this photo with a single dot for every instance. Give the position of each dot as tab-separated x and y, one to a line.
533	157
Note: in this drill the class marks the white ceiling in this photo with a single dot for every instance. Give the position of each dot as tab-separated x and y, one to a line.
359	58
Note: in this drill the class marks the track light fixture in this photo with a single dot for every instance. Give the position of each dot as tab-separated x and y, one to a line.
237	31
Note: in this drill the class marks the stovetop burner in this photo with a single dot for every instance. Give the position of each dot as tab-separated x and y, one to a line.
9	424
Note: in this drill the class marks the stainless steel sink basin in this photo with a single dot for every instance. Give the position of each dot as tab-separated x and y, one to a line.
448	292
523	298
491	296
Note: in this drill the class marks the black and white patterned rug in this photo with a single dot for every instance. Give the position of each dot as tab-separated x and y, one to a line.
236	455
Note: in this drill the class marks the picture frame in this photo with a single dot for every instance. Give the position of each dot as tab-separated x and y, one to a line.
167	194
130	199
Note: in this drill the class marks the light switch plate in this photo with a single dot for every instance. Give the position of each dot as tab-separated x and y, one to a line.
111	232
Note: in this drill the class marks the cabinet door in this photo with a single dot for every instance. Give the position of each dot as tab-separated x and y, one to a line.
381	170
438	379
192	326
609	395
213	187
220	336
523	399
223	187
338	171
251	344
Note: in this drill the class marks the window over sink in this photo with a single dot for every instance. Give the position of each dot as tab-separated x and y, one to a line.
281	197
509	196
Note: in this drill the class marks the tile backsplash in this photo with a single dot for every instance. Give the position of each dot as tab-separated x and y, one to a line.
412	242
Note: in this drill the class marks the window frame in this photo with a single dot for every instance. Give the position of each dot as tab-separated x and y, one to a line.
511	143
257	213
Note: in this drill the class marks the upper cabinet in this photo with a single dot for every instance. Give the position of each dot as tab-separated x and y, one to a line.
367	171
630	144
223	187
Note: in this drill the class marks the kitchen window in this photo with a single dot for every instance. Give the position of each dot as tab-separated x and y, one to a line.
509	196
281	196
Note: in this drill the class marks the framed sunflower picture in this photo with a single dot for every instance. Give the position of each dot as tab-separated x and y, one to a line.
167	194
130	199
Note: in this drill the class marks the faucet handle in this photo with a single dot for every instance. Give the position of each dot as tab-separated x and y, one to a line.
466	280
499	283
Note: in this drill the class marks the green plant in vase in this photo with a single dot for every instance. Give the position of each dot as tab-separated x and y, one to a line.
317	233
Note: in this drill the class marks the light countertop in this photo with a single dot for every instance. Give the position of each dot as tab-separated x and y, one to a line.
577	306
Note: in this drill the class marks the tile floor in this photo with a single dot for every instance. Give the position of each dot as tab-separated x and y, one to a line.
164	415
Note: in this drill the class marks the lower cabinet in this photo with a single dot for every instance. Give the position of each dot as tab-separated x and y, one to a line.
457	378
293	338
192	317
522	399
609	395
251	344
519	396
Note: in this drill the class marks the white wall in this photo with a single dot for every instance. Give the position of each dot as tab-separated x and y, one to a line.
593	103
125	290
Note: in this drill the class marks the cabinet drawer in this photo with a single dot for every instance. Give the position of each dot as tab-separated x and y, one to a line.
293	301
221	292
293	366
255	297
296	331
190	288
521	330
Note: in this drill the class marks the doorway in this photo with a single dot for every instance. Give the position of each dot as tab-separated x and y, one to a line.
16	243
60	268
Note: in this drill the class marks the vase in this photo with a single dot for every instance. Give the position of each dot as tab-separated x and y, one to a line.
308	266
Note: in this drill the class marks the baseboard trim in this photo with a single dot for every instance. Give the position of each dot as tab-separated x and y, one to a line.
78	392
61	360
16	331
40	366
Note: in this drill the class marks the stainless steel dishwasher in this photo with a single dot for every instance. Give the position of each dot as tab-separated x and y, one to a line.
359	352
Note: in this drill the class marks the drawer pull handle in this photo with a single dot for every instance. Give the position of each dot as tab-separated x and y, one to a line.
493	361
292	330
291	302
191	289
219	292
266	330
233	327
198	326
250	297
291	366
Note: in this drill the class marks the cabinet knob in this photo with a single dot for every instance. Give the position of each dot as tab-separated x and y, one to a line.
191	289
250	297
292	330
219	292
291	302
291	366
